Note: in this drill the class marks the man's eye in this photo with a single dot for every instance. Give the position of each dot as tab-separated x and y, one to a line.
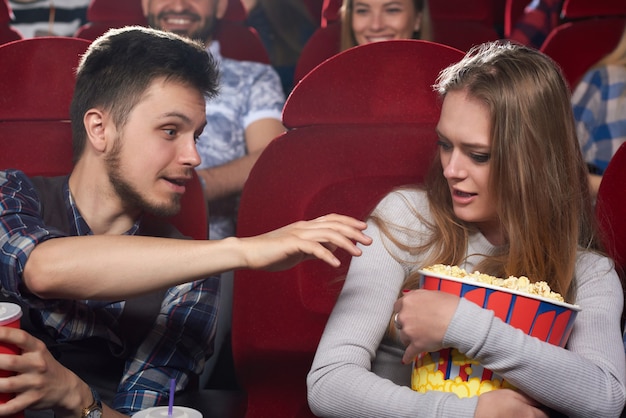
170	132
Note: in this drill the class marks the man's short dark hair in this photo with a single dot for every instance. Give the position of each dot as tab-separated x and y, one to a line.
121	64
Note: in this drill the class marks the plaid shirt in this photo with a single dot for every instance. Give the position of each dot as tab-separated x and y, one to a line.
176	346
599	104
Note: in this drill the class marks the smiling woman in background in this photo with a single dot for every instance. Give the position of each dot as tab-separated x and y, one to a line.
365	21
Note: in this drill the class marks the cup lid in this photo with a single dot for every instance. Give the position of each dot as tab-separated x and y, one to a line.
9	312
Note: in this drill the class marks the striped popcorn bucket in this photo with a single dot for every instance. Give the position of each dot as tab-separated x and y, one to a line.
450	371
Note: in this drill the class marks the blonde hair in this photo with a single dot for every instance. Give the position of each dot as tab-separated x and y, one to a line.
537	172
347	35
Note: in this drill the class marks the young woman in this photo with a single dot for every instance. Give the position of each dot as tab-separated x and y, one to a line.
365	21
507	195
599	102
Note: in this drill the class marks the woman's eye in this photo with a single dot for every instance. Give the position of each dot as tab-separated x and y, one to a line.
394	10
444	146
480	158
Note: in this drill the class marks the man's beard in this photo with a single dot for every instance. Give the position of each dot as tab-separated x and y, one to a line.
203	34
129	196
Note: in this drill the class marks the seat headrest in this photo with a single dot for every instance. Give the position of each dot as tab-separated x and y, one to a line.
6	14
115	11
31	66
580	9
334	93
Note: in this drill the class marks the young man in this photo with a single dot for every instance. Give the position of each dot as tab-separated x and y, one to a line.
88	257
241	121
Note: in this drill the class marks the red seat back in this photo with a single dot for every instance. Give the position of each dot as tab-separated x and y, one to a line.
7	33
463	24
610	208
330	12
591	29
35	130
103	15
513	10
359	125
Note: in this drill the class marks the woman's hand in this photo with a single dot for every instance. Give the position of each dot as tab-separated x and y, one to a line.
40	382
285	247
508	403
422	318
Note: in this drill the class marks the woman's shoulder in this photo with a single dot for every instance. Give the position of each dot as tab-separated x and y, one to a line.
402	199
404	207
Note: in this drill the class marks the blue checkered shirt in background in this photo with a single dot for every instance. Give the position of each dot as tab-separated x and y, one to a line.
599	104
177	344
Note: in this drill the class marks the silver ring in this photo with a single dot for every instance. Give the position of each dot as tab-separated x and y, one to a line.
395	321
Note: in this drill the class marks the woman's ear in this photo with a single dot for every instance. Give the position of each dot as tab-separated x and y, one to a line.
94	122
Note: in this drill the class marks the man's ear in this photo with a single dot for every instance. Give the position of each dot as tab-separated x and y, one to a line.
220	11
94	122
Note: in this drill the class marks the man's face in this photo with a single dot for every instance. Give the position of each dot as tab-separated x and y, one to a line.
194	19
154	154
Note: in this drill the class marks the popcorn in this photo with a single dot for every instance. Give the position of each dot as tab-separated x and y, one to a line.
521	284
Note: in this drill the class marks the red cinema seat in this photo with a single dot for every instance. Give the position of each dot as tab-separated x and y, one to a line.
7	33
360	124
463	24
610	206
591	29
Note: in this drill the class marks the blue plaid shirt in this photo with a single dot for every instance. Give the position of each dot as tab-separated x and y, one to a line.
599	104
176	346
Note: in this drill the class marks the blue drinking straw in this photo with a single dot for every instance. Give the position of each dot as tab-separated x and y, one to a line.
170	406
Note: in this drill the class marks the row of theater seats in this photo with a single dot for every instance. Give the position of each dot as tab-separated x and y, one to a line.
237	41
591	28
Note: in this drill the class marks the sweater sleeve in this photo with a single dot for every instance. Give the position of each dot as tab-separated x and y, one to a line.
585	379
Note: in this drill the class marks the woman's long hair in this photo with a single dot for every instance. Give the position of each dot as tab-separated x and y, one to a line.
538	175
347	35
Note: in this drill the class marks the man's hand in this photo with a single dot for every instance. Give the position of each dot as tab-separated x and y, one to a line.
40	382
285	247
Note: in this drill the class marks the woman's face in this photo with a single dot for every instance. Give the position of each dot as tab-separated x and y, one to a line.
464	130
383	20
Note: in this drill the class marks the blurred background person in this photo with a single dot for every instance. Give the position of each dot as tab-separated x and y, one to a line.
599	103
284	27
365	21
48	17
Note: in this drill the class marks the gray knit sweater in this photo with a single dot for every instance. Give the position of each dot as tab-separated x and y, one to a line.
357	372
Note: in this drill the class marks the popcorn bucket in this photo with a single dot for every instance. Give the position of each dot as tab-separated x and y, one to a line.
450	371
